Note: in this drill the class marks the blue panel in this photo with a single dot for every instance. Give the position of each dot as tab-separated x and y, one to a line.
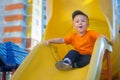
15	53
11	56
3	53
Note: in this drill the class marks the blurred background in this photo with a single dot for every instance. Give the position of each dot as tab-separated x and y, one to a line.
22	22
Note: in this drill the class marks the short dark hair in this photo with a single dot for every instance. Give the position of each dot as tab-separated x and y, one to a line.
78	12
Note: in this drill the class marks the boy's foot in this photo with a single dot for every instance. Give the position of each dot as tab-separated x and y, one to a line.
63	66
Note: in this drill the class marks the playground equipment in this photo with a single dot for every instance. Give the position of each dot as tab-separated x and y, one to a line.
40	63
11	56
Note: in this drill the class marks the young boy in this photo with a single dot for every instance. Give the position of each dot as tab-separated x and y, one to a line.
83	42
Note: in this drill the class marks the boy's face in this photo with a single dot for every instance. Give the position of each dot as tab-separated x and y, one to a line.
81	23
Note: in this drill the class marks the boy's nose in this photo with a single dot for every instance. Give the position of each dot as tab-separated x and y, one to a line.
80	23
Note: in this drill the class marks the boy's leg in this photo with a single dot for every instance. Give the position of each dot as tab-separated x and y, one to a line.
71	57
83	61
68	61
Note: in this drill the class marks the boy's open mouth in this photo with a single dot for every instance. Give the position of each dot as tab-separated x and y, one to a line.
80	27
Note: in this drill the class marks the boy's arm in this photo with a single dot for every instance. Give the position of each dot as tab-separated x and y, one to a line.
55	40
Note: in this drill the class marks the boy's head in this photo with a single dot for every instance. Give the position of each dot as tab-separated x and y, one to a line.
80	21
78	12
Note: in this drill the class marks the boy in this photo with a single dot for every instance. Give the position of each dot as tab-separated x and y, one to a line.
83	42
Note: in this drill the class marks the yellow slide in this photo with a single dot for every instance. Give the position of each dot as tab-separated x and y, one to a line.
40	63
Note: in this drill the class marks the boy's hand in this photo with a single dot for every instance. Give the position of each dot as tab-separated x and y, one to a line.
110	42
47	42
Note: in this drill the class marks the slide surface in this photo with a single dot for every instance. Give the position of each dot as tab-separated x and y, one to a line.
40	63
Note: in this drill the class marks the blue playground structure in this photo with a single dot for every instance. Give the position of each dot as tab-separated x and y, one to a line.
11	56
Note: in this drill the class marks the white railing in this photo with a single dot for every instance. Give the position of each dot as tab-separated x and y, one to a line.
95	67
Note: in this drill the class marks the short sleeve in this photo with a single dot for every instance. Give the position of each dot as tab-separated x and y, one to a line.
68	39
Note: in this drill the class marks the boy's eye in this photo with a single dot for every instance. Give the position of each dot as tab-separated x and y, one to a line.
82	21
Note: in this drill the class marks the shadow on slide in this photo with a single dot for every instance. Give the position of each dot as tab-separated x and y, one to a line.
40	63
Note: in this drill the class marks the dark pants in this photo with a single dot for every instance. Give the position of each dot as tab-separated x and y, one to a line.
78	60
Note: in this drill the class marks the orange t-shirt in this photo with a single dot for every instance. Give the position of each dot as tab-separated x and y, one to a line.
83	44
